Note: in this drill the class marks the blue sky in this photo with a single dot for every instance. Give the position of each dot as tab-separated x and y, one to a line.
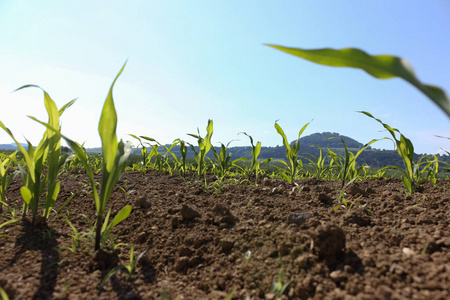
190	61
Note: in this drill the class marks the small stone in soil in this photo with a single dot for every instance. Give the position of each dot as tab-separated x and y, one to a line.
299	218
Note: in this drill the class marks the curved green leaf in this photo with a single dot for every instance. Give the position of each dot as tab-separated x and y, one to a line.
12	221
379	66
121	215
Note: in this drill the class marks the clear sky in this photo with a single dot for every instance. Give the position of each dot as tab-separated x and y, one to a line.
190	61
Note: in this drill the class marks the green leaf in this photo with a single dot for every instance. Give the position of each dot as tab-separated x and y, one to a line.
110	180
121	215
26	194
281	132
407	184
109	275
12	221
379	66
286	177
107	128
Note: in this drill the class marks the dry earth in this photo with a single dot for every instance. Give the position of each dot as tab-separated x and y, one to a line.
196	242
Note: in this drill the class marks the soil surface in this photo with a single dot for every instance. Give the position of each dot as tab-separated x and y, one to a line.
206	243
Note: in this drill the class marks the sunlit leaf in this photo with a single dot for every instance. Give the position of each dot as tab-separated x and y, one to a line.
379	66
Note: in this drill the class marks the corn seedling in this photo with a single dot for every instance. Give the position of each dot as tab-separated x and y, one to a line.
114	155
161	160
431	169
6	178
106	237
247	256
255	165
182	164
143	152
130	267
95	161
320	170
412	175
378	66
278	288
66	286
342	199
423	201
73	163
147	157
223	160
204	145
66	202
368	172
346	165
55	160
294	162
76	238
12	211
49	149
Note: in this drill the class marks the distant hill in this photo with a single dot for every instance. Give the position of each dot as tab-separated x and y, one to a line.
329	140
11	146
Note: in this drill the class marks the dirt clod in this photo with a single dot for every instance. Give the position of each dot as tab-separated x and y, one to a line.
189	212
329	241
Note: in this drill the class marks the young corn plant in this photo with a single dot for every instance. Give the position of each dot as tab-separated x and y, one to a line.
278	288
73	163
182	163
49	151
161	160
129	268
346	165
412	174
431	170
115	155
255	164
223	160
342	199
6	178
204	145
292	154
95	161
106	237
368	172
143	152
76	238
147	157
319	167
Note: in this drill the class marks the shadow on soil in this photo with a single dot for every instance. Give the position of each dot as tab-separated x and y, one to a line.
39	238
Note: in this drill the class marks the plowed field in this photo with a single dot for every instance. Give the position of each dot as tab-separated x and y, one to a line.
203	244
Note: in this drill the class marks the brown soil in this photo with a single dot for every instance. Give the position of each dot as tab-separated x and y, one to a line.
392	246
